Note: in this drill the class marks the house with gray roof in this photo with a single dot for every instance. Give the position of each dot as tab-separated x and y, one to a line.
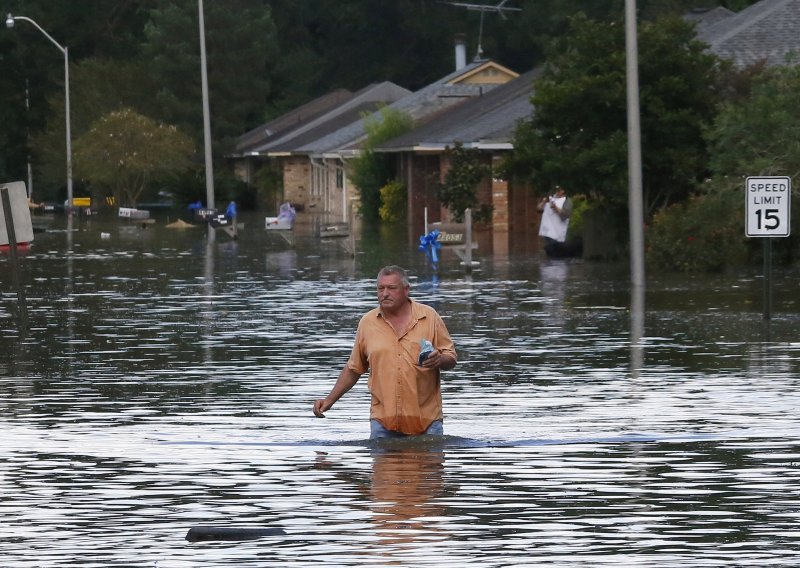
248	143
329	155
486	123
765	32
313	153
320	118
704	17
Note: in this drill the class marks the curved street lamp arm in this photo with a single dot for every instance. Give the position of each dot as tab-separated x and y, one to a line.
10	23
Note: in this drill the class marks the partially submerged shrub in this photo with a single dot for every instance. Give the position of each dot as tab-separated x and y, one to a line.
704	234
393	202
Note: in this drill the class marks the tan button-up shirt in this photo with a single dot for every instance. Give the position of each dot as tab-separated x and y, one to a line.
406	398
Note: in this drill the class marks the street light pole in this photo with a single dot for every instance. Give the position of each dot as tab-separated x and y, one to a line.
10	24
206	115
635	205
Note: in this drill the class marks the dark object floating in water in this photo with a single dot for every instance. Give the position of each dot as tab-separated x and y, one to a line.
197	534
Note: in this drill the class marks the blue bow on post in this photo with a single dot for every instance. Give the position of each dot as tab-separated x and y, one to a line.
430	245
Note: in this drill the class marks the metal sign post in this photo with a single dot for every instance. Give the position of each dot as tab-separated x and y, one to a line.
767	214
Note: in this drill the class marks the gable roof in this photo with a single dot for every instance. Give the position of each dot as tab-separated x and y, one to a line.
472	80
765	31
367	99
290	120
486	121
702	18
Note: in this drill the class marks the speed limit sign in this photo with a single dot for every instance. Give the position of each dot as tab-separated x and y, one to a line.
768	201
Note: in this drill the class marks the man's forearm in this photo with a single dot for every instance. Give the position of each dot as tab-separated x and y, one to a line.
347	380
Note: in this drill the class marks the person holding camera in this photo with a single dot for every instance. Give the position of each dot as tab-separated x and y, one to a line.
405	345
556	210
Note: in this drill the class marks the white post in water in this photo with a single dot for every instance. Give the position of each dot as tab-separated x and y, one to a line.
468	239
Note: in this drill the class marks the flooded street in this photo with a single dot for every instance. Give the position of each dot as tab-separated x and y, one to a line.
166	381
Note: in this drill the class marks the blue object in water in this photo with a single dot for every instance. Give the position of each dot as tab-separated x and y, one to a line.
430	245
231	210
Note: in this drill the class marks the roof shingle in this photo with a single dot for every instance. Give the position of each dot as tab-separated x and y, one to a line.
766	31
483	121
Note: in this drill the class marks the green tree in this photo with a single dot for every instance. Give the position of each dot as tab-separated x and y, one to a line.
33	66
760	134
578	134
125	151
97	87
371	170
756	133
241	49
459	192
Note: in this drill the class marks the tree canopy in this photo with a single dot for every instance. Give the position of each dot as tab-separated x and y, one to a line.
124	151
370	171
755	133
459	190
760	134
242	50
577	136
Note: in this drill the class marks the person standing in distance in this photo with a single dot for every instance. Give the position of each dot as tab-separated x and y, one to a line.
556	210
406	391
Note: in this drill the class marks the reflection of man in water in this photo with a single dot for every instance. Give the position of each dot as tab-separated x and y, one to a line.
402	490
406	393
405	483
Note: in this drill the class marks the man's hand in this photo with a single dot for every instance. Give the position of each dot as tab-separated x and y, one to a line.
437	360
344	383
321	405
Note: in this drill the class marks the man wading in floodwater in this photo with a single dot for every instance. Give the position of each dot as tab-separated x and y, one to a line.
406	391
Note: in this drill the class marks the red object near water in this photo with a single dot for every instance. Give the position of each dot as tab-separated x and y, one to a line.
21	248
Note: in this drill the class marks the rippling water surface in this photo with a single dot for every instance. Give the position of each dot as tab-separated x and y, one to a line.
165	381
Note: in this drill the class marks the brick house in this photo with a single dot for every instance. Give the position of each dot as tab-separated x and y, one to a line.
485	123
283	139
314	143
330	154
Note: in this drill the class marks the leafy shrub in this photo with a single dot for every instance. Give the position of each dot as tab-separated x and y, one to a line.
704	234
393	201
579	206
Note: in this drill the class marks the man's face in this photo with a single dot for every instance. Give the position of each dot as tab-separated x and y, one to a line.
392	294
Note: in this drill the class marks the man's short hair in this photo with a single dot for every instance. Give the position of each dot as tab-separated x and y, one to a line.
394	269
